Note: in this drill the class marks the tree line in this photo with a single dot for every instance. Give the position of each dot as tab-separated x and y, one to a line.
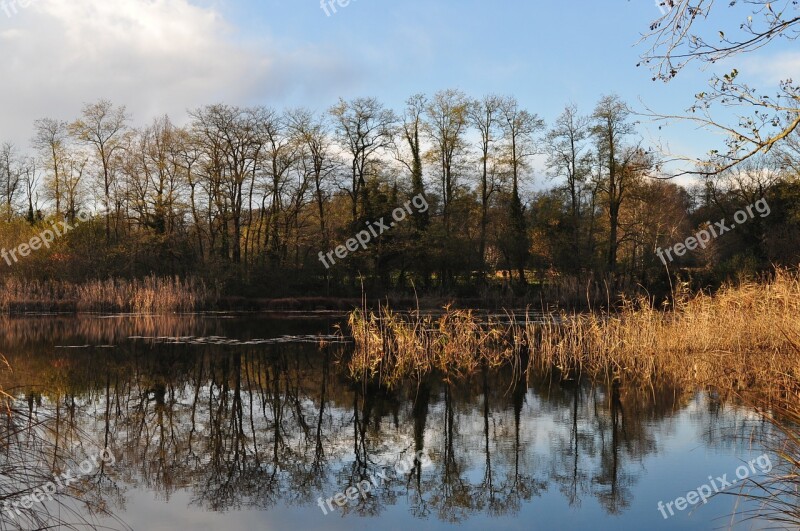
251	195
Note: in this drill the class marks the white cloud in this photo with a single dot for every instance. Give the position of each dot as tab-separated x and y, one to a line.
774	68
155	56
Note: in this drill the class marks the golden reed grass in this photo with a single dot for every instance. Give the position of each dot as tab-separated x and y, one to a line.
393	346
739	339
149	295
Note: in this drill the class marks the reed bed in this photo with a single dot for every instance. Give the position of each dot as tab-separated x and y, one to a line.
741	338
392	346
148	295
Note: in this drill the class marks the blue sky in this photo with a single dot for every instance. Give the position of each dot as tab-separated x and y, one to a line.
167	56
545	53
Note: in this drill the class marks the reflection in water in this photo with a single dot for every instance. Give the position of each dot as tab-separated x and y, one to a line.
259	426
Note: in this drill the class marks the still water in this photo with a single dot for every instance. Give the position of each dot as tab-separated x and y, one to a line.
240	422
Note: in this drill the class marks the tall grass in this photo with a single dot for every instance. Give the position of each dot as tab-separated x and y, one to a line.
778	496
392	346
149	295
740	338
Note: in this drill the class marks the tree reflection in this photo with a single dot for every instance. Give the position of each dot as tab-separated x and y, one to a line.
255	426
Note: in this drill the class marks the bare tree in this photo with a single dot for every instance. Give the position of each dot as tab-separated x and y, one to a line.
167	177
365	128
620	163
102	126
281	153
316	159
10	177
30	178
446	126
748	182
232	142
520	129
484	115
413	124
188	153
50	139
74	167
568	157
155	174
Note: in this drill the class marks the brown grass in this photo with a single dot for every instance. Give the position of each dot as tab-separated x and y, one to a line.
739	339
393	346
777	496
149	295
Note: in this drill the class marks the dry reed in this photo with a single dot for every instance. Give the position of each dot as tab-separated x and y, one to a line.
392	346
149	295
741	338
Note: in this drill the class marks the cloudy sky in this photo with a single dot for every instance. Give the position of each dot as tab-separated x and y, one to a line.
167	56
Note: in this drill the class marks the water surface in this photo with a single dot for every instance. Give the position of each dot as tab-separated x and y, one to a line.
243	422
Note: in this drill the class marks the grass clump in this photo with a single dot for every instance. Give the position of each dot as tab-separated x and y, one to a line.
741	338
149	295
392	346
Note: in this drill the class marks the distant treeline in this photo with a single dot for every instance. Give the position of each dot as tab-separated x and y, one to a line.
252	196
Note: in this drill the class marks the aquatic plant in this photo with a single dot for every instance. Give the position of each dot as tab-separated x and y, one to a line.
151	294
737	339
391	345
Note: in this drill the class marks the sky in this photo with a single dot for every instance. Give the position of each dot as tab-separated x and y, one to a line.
169	56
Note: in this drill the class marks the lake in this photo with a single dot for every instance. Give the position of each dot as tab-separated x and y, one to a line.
240	422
